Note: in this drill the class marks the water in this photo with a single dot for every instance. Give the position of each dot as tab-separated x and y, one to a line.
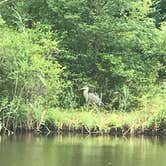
29	150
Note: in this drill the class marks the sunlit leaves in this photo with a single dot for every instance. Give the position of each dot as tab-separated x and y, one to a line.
28	66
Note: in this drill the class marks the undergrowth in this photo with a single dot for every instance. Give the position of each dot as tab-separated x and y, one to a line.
151	119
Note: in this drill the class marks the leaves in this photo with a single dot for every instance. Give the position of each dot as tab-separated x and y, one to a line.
106	44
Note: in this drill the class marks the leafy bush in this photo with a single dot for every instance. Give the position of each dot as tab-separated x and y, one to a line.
28	73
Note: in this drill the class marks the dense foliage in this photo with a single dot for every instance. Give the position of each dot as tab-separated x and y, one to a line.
49	49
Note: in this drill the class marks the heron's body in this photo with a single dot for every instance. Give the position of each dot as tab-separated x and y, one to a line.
91	98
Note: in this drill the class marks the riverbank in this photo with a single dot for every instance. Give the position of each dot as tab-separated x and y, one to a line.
93	122
150	120
116	123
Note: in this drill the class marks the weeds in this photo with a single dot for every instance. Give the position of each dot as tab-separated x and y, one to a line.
18	115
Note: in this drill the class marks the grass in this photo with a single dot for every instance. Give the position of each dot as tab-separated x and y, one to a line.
150	120
98	122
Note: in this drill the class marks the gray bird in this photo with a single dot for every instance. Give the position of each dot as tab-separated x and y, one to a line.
91	98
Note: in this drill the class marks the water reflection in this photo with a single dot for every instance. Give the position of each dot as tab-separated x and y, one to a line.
81	151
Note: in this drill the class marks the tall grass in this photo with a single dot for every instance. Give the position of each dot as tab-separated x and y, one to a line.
151	119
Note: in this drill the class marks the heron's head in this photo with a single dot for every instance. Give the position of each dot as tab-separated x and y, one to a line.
85	88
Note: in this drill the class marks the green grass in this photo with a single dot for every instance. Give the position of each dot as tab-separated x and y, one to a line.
151	119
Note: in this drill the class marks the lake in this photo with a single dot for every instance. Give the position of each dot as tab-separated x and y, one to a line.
31	150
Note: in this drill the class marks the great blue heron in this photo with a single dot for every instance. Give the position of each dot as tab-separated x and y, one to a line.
91	98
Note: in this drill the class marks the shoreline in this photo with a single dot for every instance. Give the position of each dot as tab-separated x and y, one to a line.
88	122
113	132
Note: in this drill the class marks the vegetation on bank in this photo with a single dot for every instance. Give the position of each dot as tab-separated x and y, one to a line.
50	49
151	120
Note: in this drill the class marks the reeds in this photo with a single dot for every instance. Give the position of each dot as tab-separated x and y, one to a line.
86	121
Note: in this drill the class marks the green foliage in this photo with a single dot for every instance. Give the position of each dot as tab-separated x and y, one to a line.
159	11
114	47
29	77
27	66
108	49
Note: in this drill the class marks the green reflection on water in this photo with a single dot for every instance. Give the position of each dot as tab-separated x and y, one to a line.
29	150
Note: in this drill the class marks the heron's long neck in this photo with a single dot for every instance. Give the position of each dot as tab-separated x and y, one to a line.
85	93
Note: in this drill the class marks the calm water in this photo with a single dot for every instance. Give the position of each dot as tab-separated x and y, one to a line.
31	150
